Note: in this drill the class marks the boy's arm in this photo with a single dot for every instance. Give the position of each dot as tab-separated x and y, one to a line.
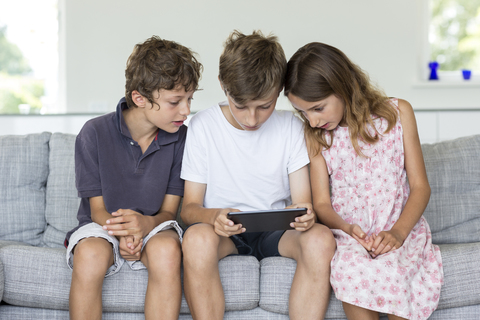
129	249
126	222
301	198
193	211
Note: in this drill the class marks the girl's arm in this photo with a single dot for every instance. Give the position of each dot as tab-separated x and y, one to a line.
418	182
301	198
193	211
323	205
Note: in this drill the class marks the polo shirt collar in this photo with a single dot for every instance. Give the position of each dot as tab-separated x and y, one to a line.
162	138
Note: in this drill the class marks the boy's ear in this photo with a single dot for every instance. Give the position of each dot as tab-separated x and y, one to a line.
139	100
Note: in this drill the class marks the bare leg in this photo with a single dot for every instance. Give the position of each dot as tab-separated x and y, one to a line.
162	256
202	249
357	313
313	250
394	317
91	260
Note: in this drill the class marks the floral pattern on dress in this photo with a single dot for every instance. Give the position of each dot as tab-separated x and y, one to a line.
371	191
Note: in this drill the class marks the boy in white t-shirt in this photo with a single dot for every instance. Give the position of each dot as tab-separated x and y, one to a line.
243	155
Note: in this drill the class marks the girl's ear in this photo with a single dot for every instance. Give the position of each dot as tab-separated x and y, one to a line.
139	100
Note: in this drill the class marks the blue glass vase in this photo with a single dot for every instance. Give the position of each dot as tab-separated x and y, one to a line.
433	70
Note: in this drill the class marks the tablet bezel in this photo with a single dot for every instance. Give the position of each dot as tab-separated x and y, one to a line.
266	220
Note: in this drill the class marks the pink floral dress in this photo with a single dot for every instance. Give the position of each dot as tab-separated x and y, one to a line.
371	192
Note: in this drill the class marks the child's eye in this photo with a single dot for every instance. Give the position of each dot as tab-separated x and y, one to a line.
174	102
266	107
239	107
319	109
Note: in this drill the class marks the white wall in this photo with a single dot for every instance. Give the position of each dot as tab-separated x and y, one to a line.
386	38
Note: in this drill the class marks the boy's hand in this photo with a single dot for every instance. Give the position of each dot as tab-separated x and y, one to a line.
225	227
357	233
305	222
386	241
127	250
129	223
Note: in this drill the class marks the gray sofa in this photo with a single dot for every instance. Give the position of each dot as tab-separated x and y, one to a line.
38	205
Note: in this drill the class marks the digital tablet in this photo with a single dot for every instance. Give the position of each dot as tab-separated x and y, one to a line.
266	220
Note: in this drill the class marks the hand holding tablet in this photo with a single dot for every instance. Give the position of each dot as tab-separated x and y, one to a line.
266	220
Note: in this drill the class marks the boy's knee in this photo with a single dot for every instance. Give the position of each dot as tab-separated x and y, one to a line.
198	239
163	248
319	240
94	253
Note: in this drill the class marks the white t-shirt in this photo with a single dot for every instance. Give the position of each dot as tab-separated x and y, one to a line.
245	170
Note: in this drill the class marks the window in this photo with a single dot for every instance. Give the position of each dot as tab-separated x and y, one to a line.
29	56
454	36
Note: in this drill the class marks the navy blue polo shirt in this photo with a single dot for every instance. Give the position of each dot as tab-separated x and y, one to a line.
109	163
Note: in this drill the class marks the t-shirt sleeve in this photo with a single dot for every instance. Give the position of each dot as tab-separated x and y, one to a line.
175	183
87	175
194	167
298	154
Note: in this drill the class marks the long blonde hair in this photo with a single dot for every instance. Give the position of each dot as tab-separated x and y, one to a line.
317	71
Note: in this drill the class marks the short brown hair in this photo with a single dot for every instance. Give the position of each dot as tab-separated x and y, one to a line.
252	66
160	64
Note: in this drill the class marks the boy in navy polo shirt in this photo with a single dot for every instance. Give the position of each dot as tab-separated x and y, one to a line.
127	166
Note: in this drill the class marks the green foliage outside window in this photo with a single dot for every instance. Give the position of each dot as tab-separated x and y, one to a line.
455	34
17	86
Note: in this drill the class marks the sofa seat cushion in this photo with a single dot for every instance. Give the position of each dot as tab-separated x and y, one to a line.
24	171
461	275
62	200
275	282
453	171
38	277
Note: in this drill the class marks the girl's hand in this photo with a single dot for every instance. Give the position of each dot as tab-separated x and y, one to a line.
225	227
386	241
305	222
357	233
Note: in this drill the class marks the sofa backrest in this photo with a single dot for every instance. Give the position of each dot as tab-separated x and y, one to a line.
23	177
39	202
453	170
62	200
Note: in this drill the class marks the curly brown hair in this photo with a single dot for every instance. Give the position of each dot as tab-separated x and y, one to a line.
160	64
252	66
317	71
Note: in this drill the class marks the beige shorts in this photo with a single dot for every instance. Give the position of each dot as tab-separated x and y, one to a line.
95	230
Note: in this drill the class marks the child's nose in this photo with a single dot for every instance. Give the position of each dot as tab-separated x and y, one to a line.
185	109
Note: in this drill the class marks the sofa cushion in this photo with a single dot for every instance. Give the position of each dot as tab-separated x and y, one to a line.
23	172
38	277
1	280
461	275
275	282
453	171
62	199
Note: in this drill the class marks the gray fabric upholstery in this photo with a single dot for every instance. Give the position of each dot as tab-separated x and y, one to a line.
453	170
62	201
461	267
23	313
2	281
39	278
23	172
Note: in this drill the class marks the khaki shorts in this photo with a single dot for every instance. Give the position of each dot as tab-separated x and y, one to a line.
94	230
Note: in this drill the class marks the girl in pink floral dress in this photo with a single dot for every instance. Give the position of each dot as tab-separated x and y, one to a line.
362	147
